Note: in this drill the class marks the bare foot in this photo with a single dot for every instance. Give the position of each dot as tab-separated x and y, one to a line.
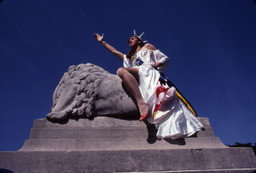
144	112
143	109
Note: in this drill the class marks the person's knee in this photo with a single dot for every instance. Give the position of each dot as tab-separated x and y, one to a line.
121	71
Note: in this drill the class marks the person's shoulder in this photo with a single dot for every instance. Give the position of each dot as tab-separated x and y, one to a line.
149	46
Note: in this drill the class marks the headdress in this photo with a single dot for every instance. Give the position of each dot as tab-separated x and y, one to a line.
134	34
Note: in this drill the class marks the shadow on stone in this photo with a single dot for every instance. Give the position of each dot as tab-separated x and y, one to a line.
151	136
65	121
180	141
195	135
151	129
5	171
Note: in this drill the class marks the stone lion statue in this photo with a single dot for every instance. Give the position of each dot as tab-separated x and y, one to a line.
86	91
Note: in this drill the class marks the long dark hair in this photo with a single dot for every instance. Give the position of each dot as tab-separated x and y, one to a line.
130	53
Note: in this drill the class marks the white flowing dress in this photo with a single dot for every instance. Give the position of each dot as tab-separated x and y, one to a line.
170	116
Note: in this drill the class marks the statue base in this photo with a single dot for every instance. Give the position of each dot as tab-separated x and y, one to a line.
113	145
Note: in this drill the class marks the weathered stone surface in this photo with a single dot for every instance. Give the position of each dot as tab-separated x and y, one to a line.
220	160
114	145
87	90
104	133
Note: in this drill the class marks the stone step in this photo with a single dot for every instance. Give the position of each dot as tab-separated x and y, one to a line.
100	127
83	123
100	132
85	133
180	160
98	122
86	146
118	144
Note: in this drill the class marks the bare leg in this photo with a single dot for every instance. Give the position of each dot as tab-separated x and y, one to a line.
130	79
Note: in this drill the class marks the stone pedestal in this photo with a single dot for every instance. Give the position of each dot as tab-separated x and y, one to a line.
113	145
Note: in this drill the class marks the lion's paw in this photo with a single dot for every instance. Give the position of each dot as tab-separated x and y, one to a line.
60	116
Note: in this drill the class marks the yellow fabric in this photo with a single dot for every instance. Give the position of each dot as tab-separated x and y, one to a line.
181	98
154	115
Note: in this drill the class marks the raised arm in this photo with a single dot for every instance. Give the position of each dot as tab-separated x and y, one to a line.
108	47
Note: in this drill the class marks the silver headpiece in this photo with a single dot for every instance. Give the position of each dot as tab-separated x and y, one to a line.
134	34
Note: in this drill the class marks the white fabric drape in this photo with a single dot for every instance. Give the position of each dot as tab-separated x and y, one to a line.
171	117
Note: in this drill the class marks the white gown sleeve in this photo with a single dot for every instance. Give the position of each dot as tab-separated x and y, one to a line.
160	57
127	62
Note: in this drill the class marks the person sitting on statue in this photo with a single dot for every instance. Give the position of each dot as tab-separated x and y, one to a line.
157	99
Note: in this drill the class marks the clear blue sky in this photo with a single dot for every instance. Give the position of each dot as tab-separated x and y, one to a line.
211	45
